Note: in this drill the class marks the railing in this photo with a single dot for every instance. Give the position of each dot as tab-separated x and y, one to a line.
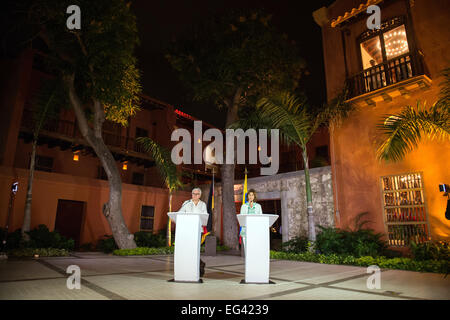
69	129
385	74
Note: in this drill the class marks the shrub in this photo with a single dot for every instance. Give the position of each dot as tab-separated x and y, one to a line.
148	239
13	240
297	245
437	250
87	247
107	244
143	251
42	252
41	237
357	242
436	266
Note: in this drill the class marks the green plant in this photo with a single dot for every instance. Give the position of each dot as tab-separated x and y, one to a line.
41	237
437	250
13	240
41	252
87	246
148	239
436	266
297	245
143	251
107	244
357	243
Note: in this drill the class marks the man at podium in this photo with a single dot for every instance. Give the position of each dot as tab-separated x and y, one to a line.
251	207
197	206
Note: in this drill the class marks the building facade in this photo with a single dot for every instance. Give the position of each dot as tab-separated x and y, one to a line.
70	185
385	70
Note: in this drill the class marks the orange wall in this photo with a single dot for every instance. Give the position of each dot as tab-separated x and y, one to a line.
355	168
49	187
358	172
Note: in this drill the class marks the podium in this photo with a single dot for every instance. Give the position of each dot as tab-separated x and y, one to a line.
257	246
187	245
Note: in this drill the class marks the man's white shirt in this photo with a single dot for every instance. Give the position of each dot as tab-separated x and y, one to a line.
189	206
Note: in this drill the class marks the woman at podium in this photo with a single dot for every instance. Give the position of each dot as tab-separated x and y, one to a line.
250	207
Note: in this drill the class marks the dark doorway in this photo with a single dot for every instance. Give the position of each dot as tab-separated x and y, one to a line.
273	207
69	219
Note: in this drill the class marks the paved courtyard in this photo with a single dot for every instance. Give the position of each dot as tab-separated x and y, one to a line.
107	277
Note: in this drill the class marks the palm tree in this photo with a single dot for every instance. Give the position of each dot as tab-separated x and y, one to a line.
167	170
46	106
288	113
296	123
404	130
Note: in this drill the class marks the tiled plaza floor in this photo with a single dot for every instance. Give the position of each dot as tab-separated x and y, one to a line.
146	278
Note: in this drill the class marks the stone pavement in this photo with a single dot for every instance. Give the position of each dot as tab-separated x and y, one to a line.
107	277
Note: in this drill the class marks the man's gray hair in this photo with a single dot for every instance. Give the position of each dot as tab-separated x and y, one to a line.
200	190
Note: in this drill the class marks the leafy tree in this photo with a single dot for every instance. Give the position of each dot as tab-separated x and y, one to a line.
230	61
98	67
404	131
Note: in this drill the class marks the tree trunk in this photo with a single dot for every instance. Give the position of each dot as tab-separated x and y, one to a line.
311	223
230	227
112	210
27	215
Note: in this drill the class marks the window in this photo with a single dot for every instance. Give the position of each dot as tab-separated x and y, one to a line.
43	163
147	217
138	178
404	209
385	55
101	173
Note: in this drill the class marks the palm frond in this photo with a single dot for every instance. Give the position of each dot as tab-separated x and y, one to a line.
286	112
404	131
444	96
163	161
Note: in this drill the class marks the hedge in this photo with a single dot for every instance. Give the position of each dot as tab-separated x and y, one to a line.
436	266
141	251
42	252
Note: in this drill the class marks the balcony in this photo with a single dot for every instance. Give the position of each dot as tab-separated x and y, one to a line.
65	135
396	77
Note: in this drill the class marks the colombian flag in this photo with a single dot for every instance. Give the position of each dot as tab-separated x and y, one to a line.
244	200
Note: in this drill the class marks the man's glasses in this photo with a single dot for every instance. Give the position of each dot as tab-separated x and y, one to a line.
196	194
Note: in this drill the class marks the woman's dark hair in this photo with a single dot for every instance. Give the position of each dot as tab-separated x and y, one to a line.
254	193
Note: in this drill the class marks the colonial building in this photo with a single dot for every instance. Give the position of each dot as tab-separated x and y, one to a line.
386	69
70	185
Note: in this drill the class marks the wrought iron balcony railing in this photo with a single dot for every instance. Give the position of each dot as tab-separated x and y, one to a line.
385	74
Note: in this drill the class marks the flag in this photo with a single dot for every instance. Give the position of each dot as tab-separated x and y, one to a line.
244	200
209	207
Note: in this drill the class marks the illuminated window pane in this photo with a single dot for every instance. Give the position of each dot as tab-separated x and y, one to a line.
395	42
371	52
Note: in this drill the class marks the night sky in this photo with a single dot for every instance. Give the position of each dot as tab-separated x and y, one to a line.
160	20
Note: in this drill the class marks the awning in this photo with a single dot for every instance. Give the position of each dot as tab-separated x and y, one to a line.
354	12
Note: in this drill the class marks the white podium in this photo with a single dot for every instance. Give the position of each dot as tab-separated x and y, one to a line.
257	246
187	245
